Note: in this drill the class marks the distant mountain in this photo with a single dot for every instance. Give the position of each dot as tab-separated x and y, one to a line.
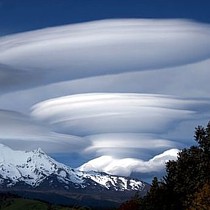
35	174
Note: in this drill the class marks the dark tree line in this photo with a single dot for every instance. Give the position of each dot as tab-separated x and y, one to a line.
186	185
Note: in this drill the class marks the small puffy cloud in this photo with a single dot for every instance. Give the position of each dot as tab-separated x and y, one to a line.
127	166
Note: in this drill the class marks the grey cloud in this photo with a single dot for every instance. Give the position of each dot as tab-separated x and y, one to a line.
165	62
20	132
105	47
189	81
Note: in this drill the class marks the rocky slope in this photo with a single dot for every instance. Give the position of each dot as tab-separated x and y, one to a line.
34	171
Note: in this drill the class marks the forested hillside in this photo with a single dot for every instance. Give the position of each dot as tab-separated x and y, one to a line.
186	185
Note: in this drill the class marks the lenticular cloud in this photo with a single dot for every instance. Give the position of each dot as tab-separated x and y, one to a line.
105	47
120	92
88	114
118	124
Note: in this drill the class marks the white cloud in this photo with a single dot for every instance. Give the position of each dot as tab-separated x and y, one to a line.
121	145
151	78
190	81
104	47
126	166
119	124
88	114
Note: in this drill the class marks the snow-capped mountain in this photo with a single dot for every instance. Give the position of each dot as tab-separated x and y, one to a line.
36	170
32	168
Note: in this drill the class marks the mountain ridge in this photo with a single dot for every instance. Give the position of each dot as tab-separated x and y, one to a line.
35	171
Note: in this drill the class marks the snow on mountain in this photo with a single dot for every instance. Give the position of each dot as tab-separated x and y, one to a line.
114	182
31	167
35	169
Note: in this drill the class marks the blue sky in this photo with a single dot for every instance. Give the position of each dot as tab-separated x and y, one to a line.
24	15
114	86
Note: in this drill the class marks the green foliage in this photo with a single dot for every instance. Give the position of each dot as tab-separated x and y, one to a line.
186	184
18	203
11	202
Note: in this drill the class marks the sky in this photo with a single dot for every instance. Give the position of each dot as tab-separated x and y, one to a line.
113	86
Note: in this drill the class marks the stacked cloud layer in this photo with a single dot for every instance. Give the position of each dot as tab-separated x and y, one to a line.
128	92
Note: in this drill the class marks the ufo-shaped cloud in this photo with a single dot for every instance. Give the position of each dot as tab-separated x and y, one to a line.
105	47
124	91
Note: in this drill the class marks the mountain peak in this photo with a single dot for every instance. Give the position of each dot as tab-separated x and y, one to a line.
39	151
35	170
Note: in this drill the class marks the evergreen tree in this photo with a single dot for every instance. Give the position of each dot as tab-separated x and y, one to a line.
201	199
186	184
133	204
190	171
